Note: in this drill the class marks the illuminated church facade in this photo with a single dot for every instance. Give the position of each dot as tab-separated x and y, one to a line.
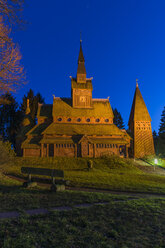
81	126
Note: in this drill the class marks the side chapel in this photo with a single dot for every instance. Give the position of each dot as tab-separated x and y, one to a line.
82	126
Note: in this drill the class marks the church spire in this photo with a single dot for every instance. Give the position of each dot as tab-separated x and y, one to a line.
140	127
81	71
139	110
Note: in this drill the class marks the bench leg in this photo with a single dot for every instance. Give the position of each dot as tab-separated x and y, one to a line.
29	178
53	181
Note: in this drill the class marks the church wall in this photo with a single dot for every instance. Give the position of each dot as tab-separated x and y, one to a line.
102	149
83	120
143	139
82	98
64	150
31	152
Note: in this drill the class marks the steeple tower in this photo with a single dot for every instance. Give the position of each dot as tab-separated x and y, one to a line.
140	126
81	86
81	71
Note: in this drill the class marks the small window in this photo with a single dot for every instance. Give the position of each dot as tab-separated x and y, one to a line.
106	120
78	119
59	119
88	120
65	145
56	145
69	119
97	120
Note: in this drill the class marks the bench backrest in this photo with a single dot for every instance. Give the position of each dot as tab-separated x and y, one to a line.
42	171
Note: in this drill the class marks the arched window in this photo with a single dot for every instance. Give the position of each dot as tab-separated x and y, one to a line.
97	120
106	120
88	120
69	119
78	119
60	119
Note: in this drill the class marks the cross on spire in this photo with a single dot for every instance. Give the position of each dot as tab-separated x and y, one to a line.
80	37
137	85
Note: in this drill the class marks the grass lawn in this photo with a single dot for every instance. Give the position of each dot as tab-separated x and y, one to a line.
123	222
107	173
132	223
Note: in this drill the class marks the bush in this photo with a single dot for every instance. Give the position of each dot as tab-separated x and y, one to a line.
6	152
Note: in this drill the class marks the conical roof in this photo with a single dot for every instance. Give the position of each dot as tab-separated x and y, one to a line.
81	56
81	62
139	110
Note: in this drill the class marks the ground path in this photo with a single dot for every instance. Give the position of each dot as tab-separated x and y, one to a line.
133	196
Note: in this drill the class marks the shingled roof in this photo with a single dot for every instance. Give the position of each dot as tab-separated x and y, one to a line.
44	110
139	110
100	108
83	129
81	62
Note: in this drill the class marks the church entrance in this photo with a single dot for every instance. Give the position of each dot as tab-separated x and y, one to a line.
51	150
84	149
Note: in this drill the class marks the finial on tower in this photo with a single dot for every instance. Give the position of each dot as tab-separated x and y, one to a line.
80	37
137	85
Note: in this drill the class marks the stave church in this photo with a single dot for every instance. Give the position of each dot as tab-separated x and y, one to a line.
82	126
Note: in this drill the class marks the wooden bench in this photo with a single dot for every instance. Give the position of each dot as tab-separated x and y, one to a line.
44	172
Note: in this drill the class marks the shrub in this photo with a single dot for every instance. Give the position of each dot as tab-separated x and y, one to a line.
6	152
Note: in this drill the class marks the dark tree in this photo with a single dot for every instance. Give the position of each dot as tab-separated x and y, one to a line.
33	102
155	138
118	120
10	117
161	139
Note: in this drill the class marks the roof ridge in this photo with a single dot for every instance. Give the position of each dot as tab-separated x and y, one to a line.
100	100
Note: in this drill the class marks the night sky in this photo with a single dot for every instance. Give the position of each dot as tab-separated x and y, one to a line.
122	40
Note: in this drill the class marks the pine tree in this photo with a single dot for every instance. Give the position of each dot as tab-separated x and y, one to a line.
155	138
161	140
10	117
118	120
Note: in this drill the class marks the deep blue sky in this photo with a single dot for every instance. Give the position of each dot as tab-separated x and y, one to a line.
122	40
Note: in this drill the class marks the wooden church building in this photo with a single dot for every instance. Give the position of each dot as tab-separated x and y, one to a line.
82	126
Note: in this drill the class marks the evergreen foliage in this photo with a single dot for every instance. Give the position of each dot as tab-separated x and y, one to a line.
11	114
6	152
155	138
161	140
10	117
118	120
